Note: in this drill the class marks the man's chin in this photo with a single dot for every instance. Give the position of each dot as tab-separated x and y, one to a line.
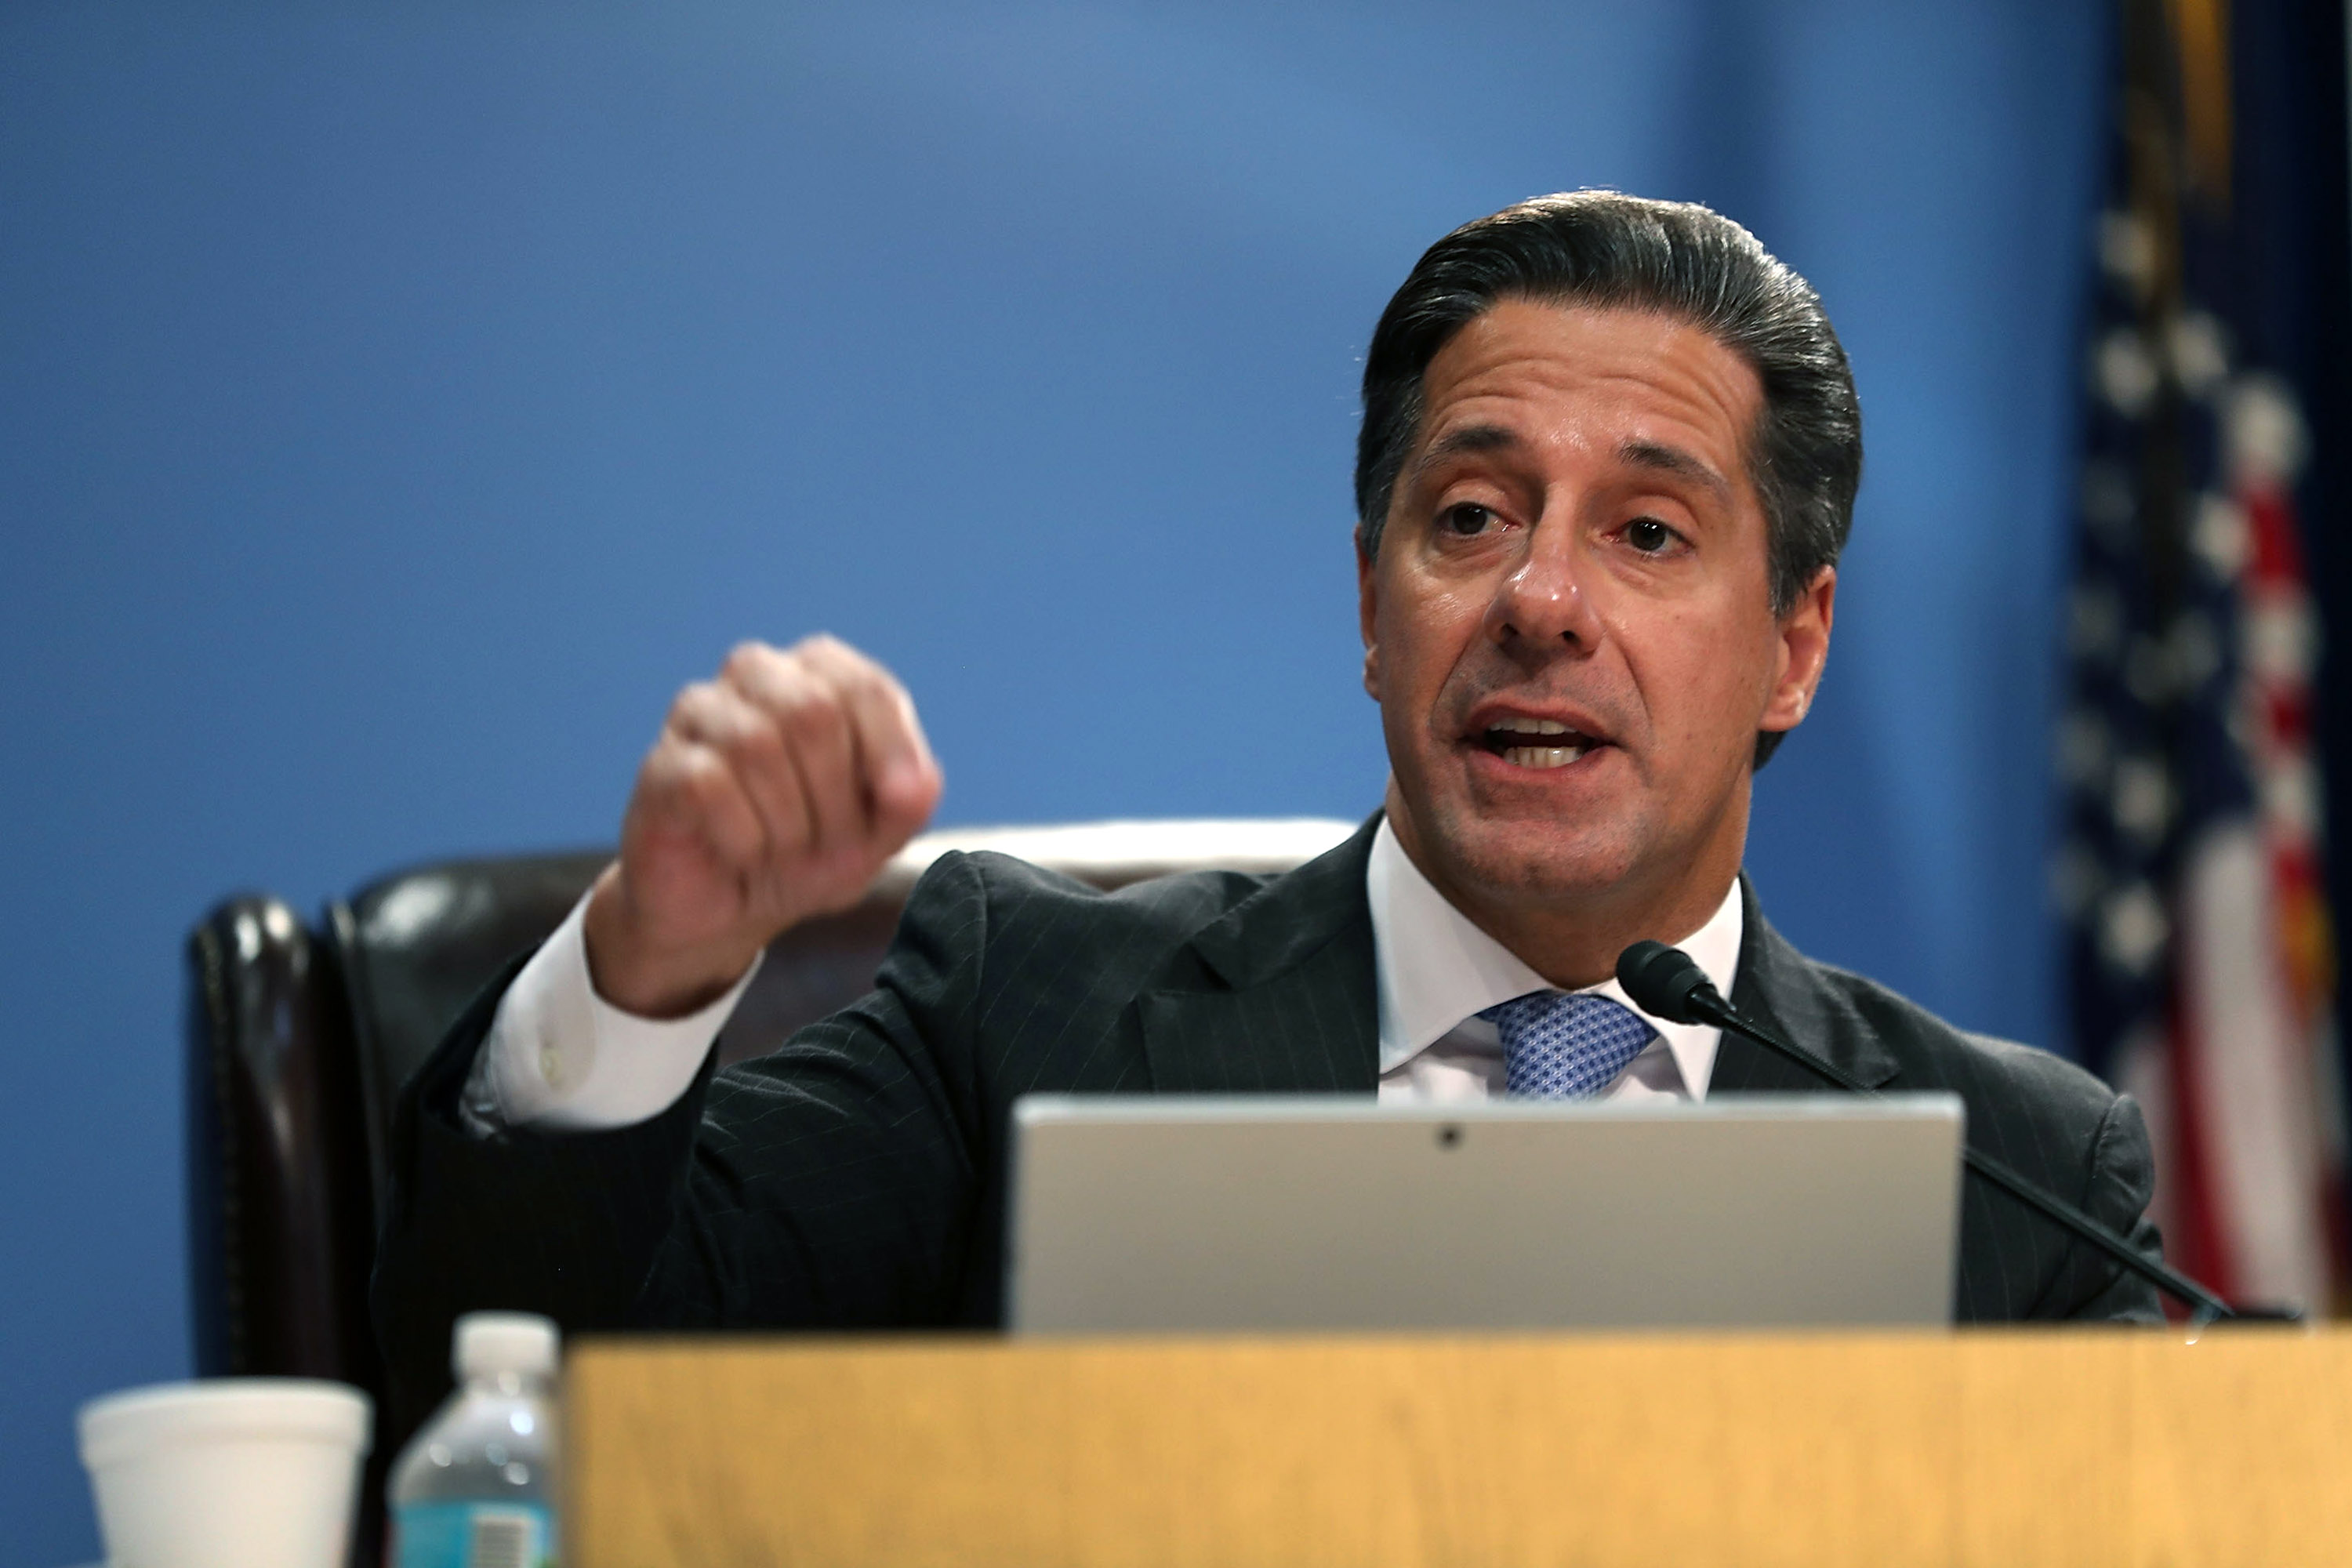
1529	863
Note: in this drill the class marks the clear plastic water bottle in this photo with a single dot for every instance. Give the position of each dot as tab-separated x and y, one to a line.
477	1486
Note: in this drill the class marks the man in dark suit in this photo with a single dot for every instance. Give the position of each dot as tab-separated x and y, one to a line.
1609	458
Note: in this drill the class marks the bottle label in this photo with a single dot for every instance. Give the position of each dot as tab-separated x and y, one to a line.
472	1535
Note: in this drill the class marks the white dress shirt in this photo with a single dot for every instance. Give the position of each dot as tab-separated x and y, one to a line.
1437	972
560	1057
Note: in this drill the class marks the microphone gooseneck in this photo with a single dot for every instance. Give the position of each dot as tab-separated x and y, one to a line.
1666	983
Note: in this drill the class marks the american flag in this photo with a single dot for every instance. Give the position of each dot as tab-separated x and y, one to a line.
2198	954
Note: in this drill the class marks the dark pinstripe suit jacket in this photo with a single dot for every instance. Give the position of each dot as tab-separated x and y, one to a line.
856	1177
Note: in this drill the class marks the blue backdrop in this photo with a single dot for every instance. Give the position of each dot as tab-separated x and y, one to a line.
397	401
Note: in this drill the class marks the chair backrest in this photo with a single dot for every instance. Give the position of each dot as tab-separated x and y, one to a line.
301	1039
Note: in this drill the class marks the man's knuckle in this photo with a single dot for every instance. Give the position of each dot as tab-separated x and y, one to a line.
693	703
754	665
755	748
810	718
869	684
838	662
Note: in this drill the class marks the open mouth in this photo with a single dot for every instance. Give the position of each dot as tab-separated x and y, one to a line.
1526	742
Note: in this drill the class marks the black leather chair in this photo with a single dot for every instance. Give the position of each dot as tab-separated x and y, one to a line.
301	1037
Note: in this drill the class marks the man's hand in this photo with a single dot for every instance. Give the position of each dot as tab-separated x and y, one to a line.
775	793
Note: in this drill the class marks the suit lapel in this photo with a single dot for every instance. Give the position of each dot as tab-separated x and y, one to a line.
1777	987
1277	995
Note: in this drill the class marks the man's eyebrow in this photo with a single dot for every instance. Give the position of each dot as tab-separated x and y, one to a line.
1665	459
1459	443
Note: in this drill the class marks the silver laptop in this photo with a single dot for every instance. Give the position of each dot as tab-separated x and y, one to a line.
1270	1213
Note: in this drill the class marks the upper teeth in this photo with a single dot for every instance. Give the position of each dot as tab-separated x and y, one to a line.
1532	726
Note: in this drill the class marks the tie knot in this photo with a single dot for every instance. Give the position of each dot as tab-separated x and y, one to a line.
1566	1045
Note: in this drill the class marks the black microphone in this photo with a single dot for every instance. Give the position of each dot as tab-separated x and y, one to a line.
1664	983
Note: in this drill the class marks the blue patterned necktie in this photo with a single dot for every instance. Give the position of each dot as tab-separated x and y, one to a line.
1566	1047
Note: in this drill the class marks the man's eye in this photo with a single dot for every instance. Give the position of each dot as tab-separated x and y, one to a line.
1465	519
1648	535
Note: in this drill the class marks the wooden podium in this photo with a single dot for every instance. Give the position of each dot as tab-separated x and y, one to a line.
1995	1446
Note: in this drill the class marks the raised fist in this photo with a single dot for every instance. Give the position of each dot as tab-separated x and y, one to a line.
774	793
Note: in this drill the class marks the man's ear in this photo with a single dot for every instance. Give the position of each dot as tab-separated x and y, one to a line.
1803	649
1367	604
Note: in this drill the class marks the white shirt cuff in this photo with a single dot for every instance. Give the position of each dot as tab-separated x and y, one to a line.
560	1058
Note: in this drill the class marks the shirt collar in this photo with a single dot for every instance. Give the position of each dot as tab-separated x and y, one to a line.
1436	968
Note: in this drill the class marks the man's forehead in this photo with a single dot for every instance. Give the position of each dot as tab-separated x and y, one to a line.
1652	389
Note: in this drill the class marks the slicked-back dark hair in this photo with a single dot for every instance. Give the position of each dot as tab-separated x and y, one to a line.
1678	259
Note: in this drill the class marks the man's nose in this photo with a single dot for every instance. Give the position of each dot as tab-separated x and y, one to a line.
1545	598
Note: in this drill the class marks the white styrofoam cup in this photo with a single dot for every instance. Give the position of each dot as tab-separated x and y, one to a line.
257	1472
